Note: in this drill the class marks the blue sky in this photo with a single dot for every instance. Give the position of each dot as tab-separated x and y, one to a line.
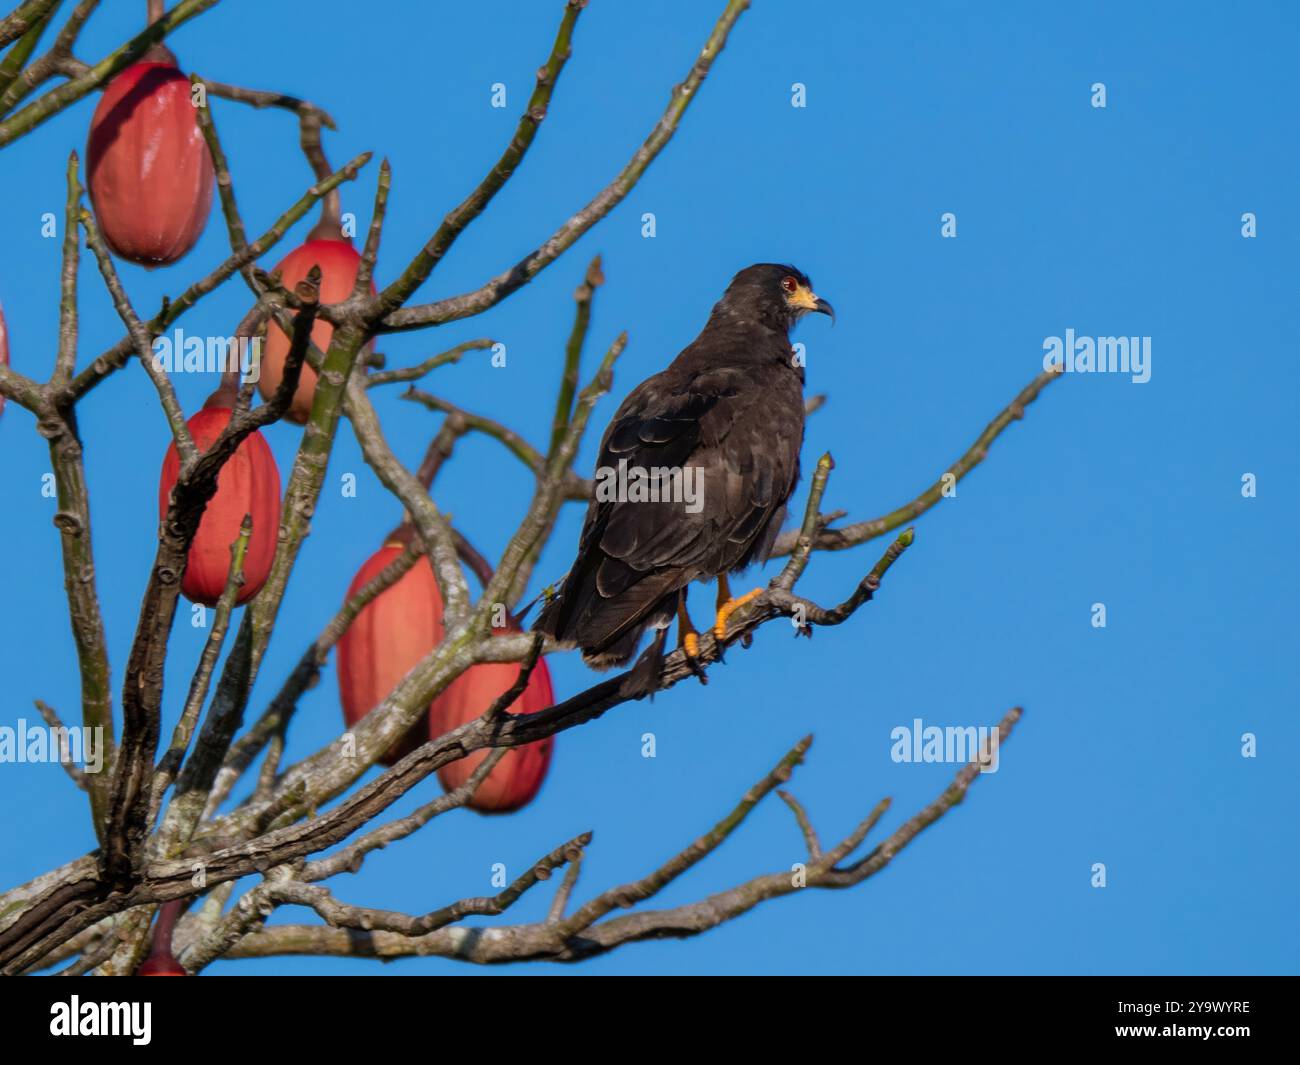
1117	221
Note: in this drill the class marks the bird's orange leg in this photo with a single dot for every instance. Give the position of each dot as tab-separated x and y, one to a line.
728	606
688	639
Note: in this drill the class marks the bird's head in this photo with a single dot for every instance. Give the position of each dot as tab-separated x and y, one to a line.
774	294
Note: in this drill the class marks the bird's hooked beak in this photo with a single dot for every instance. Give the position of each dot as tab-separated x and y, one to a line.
805	299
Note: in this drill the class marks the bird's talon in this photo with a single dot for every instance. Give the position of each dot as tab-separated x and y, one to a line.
689	645
728	608
690	648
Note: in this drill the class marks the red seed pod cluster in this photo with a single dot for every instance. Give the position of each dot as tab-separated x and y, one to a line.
249	483
148	170
391	634
517	778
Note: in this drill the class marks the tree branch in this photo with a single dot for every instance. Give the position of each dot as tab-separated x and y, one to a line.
414	373
861	532
169	766
575	487
117	356
56	100
472	206
341	915
548	940
51	717
503	285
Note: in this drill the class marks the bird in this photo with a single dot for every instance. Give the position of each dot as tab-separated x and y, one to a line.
726	418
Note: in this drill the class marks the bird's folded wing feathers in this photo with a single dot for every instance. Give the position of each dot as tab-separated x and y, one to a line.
722	429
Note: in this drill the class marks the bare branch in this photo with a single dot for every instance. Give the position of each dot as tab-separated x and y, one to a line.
628	895
275	720
576	488
168	767
225	184
23	18
260	99
565	891
66	360
51	717
805	824
116	357
16	81
582	298
521	552
142	691
141	340
547	941
808	531
414	373
425	515
861	532
341	915
56	100
501	286
350	858
472	206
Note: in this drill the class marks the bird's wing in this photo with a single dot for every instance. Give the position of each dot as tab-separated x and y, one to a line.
742	441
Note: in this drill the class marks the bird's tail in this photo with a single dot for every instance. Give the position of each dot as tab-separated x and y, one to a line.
618	653
550	621
608	632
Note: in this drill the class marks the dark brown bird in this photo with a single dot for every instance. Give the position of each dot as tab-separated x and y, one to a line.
725	421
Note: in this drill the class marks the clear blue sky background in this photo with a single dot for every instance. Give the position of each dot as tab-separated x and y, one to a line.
1117	221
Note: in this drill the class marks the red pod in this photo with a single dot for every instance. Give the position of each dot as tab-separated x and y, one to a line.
249	483
161	960
338	261
518	777
391	634
148	170
160	966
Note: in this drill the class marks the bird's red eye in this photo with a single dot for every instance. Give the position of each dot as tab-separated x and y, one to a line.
790	285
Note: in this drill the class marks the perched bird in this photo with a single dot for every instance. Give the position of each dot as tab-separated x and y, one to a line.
726	420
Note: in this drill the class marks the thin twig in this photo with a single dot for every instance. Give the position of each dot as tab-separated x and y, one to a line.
582	298
414	373
473	205
341	915
51	716
170	764
805	824
70	92
518	275
142	339
545	940
859	533
118	355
